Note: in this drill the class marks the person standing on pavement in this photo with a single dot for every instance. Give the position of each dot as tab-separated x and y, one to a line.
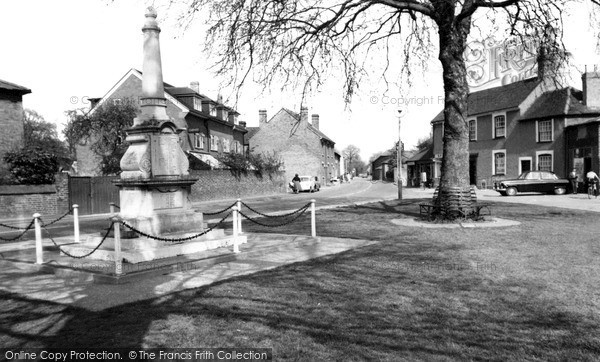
574	178
296	181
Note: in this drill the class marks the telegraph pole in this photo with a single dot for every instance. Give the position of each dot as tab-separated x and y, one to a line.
399	157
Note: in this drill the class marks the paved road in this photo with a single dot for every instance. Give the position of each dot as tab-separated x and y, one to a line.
358	191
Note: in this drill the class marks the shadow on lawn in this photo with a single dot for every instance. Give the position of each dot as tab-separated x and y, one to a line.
379	302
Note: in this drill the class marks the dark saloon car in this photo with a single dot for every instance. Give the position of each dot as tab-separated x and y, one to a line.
533	181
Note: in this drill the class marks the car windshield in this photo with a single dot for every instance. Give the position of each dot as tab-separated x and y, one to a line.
304	178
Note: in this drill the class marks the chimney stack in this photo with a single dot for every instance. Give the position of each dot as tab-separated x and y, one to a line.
304	114
315	121
591	88
195	86
262	116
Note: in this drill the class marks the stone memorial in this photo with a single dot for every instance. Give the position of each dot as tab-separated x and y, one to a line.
155	184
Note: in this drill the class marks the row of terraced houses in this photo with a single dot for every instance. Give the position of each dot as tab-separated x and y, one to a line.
527	125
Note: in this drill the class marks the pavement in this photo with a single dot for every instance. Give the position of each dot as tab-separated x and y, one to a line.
93	285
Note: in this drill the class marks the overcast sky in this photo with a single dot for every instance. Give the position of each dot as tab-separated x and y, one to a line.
68	50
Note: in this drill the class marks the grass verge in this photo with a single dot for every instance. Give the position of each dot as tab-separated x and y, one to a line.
526	292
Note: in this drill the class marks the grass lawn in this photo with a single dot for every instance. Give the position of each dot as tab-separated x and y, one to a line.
522	293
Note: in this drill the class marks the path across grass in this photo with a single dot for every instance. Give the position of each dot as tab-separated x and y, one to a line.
525	292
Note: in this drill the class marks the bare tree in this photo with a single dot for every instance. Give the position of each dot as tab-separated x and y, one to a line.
351	156
300	43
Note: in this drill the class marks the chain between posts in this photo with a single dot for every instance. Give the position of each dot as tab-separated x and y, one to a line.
60	218
78	256
20	235
221	211
274	216
299	213
179	239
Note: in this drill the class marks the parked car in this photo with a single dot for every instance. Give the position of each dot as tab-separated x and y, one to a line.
533	181
307	183
334	181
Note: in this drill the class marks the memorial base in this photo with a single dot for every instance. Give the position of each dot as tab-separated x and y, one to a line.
144	249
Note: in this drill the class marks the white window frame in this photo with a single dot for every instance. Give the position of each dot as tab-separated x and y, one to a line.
537	130
214	143
537	159
226	145
494	152
474	120
197	104
494	115
528	158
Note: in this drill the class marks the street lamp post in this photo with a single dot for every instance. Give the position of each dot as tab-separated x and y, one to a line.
399	157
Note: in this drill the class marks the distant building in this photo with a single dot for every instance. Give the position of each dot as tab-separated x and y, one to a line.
11	120
304	149
209	126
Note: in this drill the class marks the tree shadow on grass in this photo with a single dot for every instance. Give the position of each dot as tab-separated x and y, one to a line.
385	301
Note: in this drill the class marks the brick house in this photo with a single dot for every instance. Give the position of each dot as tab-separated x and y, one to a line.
210	127
304	149
526	125
11	120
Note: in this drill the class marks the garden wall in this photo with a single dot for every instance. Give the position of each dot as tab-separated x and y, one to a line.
224	184
22	201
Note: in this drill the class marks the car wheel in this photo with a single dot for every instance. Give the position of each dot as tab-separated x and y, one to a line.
511	191
560	191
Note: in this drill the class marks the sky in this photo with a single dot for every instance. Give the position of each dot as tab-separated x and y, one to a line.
67	51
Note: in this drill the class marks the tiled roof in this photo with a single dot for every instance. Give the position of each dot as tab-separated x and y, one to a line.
560	102
494	99
423	155
251	132
310	126
13	87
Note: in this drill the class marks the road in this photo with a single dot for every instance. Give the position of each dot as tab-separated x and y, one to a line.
358	191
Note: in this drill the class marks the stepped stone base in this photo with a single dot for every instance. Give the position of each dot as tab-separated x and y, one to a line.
144	249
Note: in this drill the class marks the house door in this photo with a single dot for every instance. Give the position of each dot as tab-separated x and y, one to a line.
473	170
525	165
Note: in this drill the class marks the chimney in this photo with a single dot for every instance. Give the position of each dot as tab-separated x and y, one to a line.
262	116
304	114
195	86
315	121
591	88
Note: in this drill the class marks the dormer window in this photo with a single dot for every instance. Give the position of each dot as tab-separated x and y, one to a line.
212	110
225	114
236	120
197	104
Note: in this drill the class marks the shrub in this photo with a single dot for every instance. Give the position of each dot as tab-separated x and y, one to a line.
32	166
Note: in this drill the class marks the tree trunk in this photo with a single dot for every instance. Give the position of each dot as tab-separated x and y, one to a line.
455	162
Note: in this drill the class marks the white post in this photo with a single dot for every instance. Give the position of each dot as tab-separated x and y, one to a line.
118	259
39	257
313	221
76	222
236	247
239	206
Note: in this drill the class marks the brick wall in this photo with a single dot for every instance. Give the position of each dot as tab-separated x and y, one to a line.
223	184
22	201
11	137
